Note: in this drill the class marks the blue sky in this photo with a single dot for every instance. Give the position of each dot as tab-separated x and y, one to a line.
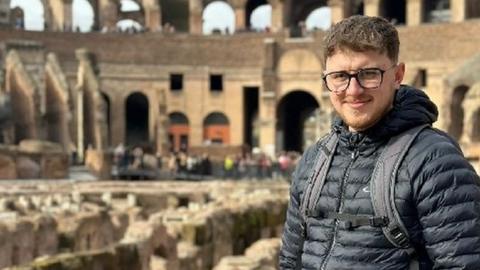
216	15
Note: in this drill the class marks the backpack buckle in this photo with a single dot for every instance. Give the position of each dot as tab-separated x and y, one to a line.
379	221
399	236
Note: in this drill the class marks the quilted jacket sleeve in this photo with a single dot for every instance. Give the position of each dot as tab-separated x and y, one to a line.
292	239
447	194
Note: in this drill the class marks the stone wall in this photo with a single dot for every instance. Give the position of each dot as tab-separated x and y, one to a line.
156	225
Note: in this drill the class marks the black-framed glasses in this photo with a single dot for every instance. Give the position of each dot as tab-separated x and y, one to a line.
367	78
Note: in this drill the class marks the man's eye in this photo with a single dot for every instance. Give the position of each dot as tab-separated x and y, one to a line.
339	76
367	74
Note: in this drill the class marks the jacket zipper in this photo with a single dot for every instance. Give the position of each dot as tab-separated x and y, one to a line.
353	157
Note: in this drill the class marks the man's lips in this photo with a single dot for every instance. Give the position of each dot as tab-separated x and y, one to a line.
356	103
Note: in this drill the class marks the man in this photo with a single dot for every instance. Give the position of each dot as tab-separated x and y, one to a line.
436	189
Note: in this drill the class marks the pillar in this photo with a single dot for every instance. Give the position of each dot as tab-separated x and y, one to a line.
458	10
153	15
195	16
372	8
277	15
61	15
414	12
339	10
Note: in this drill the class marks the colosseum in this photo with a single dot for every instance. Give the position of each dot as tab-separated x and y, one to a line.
70	97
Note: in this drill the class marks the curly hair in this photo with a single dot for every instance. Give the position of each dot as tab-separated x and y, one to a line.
363	33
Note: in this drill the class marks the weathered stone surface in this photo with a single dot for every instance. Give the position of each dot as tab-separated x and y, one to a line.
27	168
55	166
7	167
23	241
99	162
46	236
266	251
239	263
6	246
38	146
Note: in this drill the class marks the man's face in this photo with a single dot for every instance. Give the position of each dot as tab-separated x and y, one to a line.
361	108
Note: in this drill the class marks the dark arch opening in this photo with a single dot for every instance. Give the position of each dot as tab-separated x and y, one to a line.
251	6
216	128
456	111
436	11
293	111
476	126
178	131
358	7
395	11
137	119
106	113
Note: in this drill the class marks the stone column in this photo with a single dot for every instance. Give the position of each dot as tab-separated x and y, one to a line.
339	10
414	12
267	106
195	16
108	14
240	22
277	15
61	15
372	7
459	10
153	15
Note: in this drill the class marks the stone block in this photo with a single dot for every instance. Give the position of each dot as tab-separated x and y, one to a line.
27	168
46	236
55	165
23	241
239	263
38	146
99	162
7	167
6	246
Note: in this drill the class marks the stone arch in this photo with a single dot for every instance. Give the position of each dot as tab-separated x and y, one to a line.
471	107
320	18
57	112
23	111
80	16
216	128
301	9
178	131
176	14
457	112
137	15
106	112
358	7
137	118
211	23
250	7
394	11
35	13
436	11
299	121
299	61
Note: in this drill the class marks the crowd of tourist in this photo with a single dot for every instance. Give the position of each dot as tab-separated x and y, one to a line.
184	165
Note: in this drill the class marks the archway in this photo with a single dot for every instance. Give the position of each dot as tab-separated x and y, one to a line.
436	11
106	113
358	7
320	18
394	11
472	9
129	26
23	111
476	126
137	119
258	15
178	131
295	125
218	18
456	111
56	116
216	128
34	13
83	17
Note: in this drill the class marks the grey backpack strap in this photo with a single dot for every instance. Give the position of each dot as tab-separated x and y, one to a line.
317	179
383	186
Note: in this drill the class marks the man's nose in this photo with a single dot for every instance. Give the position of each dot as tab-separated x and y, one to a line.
354	88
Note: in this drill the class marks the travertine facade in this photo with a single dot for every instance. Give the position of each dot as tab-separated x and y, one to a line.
261	89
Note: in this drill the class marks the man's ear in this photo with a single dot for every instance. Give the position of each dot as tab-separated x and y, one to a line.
399	74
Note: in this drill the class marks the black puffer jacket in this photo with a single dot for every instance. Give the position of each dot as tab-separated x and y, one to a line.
437	195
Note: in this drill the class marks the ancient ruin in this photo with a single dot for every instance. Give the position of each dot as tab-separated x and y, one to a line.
69	97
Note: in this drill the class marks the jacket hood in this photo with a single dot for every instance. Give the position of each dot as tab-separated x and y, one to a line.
411	107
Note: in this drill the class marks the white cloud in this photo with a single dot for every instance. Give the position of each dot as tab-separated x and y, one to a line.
218	15
319	18
261	17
